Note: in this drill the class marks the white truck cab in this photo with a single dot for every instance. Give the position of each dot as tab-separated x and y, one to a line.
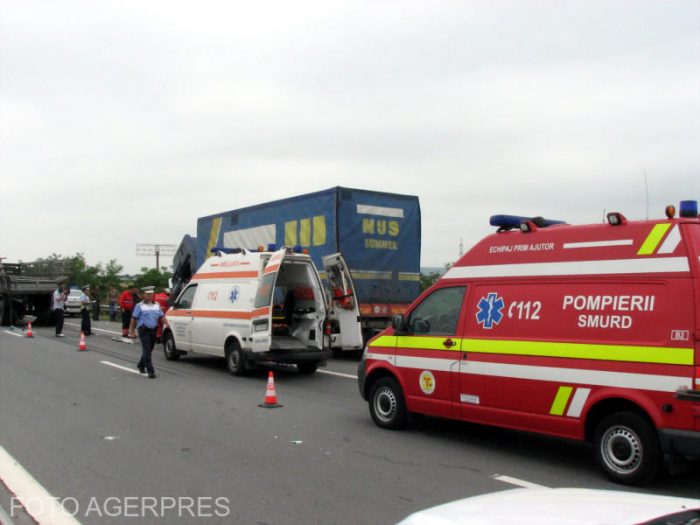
251	307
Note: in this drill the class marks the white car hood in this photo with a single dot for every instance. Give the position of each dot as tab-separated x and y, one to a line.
553	507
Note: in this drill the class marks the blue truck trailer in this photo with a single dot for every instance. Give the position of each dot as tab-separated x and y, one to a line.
378	234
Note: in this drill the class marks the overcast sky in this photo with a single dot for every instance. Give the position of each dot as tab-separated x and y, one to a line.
121	122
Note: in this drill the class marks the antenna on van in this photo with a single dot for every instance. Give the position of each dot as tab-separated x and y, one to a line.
646	189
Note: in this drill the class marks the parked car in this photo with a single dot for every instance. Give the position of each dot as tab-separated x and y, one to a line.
562	506
73	304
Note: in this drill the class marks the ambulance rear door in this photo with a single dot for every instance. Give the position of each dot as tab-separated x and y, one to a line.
261	324
343	308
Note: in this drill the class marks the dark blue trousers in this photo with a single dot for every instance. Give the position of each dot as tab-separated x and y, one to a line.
148	341
86	325
58	312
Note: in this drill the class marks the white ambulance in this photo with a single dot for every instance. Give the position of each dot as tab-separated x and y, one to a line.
261	306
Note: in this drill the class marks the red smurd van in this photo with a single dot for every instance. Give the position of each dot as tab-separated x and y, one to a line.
585	332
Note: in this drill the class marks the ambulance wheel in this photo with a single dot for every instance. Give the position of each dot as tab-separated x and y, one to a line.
169	349
307	368
234	358
627	448
386	404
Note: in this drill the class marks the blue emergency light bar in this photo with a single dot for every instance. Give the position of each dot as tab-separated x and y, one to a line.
513	222
222	249
688	209
272	247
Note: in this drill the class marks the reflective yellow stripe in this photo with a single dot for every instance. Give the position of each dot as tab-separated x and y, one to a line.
290	233
384	340
560	400
359	274
213	235
305	232
653	239
319	232
427	342
405	276
419	343
632	354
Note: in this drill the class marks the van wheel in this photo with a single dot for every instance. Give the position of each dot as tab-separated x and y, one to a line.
169	349
307	368
627	448
387	405
234	358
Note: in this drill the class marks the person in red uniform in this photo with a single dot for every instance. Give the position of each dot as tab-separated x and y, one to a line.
163	299
127	301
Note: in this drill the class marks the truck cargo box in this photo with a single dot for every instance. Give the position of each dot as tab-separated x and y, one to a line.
377	233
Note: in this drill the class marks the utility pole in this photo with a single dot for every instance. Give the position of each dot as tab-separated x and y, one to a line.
155	249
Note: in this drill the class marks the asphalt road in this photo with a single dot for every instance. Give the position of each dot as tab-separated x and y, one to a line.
94	435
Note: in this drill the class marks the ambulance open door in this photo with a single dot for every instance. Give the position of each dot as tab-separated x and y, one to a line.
343	307
261	324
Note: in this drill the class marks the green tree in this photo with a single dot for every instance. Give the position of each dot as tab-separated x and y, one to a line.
109	276
153	277
427	280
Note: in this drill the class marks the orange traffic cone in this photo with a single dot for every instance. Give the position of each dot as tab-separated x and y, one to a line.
270	394
82	345
29	330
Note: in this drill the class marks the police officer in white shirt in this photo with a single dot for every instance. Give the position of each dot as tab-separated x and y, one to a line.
145	319
85	301
59	304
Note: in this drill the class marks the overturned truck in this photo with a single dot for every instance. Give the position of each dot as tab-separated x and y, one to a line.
23	293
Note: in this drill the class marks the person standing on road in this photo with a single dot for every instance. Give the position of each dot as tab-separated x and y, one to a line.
127	300
59	305
145	319
163	299
96	303
112	304
85	301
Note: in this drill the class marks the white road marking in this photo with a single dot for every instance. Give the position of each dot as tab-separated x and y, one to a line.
331	373
35	499
5	517
518	482
12	333
120	367
94	329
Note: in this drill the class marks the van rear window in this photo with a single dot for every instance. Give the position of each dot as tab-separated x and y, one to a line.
265	289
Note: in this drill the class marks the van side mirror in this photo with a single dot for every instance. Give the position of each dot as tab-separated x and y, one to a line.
398	323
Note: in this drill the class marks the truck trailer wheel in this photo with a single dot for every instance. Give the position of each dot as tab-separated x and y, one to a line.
169	349
387	405
627	448
234	358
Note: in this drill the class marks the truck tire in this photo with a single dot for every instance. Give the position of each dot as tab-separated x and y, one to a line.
235	362
169	349
307	368
10	311
4	312
627	448
386	404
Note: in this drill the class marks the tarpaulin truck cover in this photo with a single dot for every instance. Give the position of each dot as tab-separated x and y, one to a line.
377	233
